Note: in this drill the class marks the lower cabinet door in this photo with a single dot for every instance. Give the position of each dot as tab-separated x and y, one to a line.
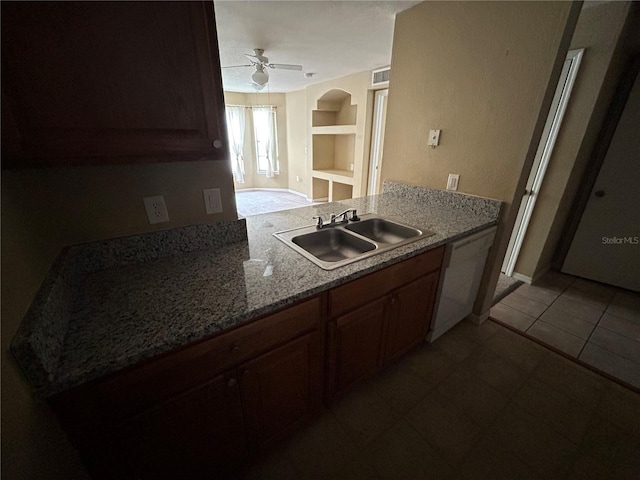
356	342
411	311
281	390
196	435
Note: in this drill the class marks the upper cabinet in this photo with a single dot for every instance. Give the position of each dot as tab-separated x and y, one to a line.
109	83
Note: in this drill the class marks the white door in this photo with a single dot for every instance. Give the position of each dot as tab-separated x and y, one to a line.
543	155
606	246
377	140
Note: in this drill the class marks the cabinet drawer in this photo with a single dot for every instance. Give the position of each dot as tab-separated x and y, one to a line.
132	390
258	337
373	286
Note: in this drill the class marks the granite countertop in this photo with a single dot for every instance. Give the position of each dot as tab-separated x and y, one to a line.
109	305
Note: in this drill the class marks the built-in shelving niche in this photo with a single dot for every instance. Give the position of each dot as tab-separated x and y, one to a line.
334	108
333	137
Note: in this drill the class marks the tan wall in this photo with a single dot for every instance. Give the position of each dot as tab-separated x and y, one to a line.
252	179
297	132
44	209
480	72
597	31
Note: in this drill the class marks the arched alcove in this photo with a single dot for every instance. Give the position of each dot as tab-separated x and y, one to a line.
334	108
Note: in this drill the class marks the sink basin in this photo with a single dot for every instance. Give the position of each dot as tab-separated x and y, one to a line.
383	231
340	244
333	245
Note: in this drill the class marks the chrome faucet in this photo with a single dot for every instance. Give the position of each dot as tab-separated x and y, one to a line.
336	220
320	222
345	216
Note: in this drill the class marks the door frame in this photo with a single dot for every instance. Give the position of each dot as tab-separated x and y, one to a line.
377	141
542	158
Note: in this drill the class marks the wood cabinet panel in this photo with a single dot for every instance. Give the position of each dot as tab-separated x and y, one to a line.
110	82
378	318
281	389
355	345
197	435
377	284
410	315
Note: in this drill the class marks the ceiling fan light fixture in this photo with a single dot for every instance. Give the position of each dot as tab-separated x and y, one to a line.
260	76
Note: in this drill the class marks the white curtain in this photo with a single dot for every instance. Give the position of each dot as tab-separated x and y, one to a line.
264	124
235	126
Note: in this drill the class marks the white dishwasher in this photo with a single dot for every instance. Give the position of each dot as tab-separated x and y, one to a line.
462	269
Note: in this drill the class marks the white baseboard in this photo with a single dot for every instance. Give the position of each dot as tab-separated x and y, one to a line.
530	280
255	189
522	278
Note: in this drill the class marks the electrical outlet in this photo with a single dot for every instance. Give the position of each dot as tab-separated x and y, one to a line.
212	200
452	183
156	209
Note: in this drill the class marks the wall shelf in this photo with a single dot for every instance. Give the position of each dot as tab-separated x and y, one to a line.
343	176
334	132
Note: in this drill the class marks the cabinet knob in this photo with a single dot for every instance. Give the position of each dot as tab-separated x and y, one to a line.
232	382
216	144
599	193
235	349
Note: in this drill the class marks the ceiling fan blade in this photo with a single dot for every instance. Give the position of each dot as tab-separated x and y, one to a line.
237	66
284	66
253	59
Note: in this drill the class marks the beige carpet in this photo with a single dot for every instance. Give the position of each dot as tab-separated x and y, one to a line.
255	202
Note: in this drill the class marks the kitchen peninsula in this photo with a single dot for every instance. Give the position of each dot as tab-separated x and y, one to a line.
127	338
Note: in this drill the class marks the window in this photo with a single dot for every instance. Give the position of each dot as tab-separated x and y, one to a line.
266	138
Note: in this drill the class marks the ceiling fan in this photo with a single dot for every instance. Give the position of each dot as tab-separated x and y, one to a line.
261	63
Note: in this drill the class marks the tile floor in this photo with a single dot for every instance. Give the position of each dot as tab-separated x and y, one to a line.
505	286
595	323
255	202
482	402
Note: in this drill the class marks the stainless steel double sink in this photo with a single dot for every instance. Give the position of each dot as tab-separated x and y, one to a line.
340	244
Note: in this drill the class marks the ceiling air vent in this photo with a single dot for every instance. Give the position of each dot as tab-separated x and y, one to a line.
380	77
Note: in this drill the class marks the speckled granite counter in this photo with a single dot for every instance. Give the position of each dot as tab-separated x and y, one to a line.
107	305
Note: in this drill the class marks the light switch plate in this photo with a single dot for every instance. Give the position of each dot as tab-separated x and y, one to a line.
212	201
452	183
156	209
434	138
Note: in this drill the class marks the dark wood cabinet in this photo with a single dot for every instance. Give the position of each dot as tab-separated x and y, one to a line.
378	318
410	315
209	431
199	412
196	435
281	390
110	82
356	343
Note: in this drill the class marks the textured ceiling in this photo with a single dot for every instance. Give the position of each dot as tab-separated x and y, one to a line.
328	38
